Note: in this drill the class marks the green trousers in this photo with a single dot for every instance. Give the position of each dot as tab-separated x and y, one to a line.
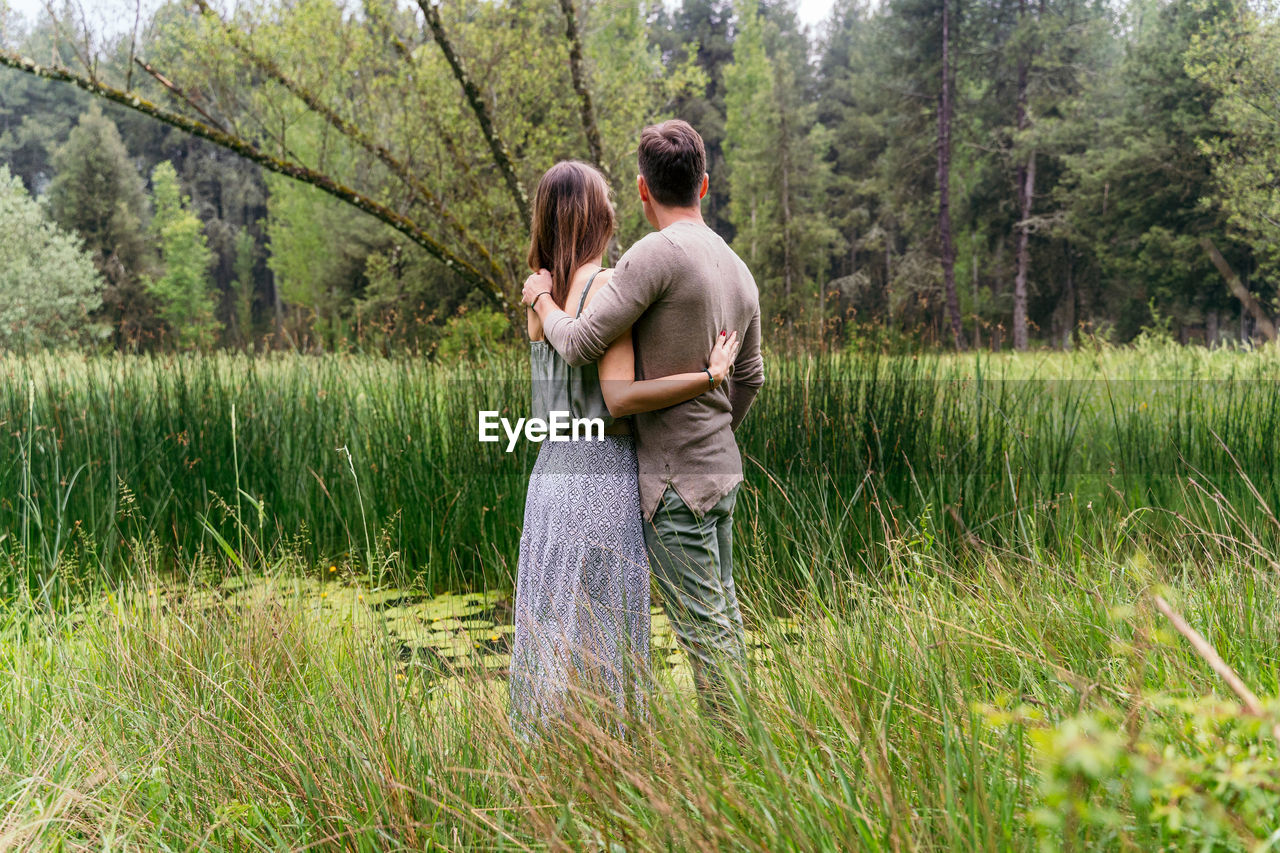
692	559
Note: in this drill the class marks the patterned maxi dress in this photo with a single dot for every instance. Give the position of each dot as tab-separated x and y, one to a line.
582	585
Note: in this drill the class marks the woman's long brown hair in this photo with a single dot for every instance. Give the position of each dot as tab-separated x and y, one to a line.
572	222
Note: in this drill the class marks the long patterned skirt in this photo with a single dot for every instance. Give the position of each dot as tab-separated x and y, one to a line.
582	587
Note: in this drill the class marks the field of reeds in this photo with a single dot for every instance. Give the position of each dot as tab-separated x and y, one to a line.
375	464
260	604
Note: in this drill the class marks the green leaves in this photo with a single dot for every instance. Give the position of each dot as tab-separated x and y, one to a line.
48	284
776	154
183	291
1239	59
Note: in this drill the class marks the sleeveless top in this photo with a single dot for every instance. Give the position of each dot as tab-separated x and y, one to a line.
559	387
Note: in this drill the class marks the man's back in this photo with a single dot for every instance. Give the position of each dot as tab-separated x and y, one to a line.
696	288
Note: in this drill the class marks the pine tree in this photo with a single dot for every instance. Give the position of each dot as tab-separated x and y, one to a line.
1132	195
183	291
776	154
97	193
701	31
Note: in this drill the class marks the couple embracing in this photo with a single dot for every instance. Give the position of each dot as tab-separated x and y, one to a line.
665	349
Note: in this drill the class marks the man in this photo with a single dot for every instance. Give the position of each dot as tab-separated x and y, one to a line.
678	289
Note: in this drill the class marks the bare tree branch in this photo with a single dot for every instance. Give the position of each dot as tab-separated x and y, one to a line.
178	93
478	106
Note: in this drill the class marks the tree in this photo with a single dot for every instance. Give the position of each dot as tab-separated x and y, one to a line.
853	106
776	155
34	116
700	33
913	175
946	117
97	193
334	97
1130	196
242	288
49	286
1026	170
183	290
1239	58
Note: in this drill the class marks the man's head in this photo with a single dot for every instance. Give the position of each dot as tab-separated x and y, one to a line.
673	167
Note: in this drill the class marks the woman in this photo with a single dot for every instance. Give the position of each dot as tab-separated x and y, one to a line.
582	586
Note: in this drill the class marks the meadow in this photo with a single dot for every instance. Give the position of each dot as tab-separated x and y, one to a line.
259	604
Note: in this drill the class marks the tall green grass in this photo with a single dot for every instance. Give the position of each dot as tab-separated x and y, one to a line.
931	710
949	565
375	462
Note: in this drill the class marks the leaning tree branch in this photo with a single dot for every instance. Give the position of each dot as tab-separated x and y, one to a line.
578	73
1247	299
474	97
251	152
353	132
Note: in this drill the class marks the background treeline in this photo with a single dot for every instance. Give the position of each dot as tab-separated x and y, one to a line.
980	173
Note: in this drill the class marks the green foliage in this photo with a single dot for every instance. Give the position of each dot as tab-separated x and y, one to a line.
476	336
48	285
242	287
317	251
98	194
1147	122
1132	194
775	154
697	36
183	290
34	119
1186	773
1238	57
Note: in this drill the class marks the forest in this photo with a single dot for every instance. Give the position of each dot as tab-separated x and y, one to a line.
326	175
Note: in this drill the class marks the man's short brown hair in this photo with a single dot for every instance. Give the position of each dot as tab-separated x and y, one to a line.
673	161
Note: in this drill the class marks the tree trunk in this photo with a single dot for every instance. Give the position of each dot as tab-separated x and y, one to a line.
1026	189
1026	178
944	183
787	272
888	277
1263	322
1069	306
578	74
977	323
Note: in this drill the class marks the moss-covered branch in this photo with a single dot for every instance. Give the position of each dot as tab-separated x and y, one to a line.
249	151
355	133
579	75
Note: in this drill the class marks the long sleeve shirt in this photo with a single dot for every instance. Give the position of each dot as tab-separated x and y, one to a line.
677	289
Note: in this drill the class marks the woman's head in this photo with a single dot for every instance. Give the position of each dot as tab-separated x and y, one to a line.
572	222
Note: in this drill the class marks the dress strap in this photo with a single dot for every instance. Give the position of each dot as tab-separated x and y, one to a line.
583	300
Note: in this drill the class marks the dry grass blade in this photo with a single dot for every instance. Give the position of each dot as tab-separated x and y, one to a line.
1203	648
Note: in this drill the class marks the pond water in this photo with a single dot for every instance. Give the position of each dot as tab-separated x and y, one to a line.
446	633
